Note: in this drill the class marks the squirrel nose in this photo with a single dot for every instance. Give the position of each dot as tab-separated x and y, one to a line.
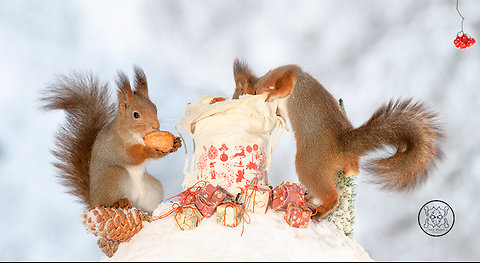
156	126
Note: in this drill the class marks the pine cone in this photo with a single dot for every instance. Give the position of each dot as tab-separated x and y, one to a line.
118	224
108	246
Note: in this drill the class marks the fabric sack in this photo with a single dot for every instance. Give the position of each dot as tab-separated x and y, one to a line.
232	141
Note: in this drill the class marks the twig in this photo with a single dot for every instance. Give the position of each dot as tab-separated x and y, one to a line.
458	11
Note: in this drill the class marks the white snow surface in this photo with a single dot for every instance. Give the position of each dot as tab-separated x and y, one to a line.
266	238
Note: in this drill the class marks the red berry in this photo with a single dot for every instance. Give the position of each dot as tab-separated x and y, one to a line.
463	41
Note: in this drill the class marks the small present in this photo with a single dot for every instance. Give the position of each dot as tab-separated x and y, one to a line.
285	194
256	199
208	197
298	215
229	214
187	217
188	195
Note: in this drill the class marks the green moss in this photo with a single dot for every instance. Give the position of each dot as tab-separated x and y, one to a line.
343	216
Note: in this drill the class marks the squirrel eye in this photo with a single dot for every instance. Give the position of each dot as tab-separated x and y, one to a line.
136	115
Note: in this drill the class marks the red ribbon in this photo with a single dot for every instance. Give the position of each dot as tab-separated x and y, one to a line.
303	196
238	209
206	201
303	205
254	193
192	190
176	208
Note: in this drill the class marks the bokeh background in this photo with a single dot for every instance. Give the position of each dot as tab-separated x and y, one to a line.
365	52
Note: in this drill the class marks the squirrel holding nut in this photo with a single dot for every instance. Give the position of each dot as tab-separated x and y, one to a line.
101	150
327	142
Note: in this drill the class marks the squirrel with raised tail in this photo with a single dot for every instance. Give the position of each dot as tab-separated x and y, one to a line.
100	150
327	142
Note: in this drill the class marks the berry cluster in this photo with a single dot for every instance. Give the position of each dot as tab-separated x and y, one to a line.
463	40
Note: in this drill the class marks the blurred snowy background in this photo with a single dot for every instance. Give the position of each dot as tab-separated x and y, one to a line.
365	52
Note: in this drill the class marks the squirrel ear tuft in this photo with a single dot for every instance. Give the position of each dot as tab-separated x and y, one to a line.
125	93
244	78
141	86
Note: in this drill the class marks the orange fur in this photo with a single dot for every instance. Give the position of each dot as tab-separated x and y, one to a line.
327	142
138	154
100	151
277	83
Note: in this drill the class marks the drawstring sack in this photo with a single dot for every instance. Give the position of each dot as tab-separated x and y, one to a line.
232	143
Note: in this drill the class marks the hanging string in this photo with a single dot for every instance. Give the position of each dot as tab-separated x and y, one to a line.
458	11
462	40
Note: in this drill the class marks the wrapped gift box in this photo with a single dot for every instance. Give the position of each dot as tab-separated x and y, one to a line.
208	197
287	193
229	214
187	217
186	197
256	199
298	215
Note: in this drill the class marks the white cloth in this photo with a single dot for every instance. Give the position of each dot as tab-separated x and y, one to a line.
231	140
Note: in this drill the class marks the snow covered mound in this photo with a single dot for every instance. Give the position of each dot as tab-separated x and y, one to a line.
267	238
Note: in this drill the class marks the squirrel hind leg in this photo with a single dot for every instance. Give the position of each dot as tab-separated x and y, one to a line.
107	188
351	167
317	175
329	200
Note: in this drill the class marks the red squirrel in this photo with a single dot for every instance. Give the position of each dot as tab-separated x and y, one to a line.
327	142
100	151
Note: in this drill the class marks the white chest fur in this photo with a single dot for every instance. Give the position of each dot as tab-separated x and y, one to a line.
136	185
140	190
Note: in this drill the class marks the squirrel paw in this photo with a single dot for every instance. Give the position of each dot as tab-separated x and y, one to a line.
177	143
122	203
323	211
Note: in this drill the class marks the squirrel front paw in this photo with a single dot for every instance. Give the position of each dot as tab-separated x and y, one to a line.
157	153
154	153
177	143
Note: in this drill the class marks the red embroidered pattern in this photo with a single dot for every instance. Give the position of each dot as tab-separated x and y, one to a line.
231	166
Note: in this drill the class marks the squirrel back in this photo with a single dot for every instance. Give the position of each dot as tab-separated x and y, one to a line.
88	109
327	142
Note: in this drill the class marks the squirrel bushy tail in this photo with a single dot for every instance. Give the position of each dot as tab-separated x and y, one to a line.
327	142
412	129
88	109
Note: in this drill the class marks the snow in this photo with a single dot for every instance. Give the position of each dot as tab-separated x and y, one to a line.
267	238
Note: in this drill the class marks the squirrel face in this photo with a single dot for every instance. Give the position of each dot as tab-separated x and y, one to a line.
141	115
136	112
